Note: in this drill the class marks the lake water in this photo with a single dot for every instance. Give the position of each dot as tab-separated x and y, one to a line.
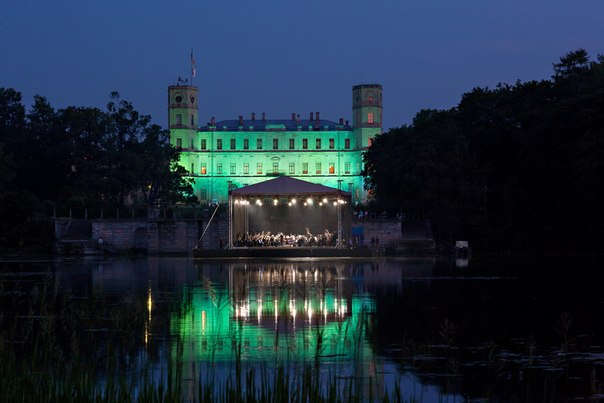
436	329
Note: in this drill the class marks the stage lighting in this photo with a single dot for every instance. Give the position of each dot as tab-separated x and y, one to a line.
324	200
289	204
305	203
320	203
335	203
236	201
309	201
275	202
294	201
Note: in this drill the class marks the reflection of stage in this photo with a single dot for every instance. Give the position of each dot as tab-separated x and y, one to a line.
281	252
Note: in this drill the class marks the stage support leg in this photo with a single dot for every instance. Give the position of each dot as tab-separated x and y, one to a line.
230	242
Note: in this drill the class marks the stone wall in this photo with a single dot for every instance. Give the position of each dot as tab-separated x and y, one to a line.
117	234
387	231
172	236
156	236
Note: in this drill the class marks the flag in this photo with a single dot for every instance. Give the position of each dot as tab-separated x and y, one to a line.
193	68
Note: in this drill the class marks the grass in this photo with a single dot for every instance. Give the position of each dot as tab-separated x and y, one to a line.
58	348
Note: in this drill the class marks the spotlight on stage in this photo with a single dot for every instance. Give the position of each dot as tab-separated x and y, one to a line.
294	201
275	202
324	200
309	201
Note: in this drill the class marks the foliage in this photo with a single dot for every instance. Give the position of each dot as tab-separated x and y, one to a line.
81	156
514	168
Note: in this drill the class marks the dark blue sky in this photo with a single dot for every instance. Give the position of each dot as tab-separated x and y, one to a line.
280	56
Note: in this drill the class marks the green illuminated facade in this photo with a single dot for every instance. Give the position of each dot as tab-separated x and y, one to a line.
241	152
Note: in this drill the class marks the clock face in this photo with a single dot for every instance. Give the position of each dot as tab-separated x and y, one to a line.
192	99
178	99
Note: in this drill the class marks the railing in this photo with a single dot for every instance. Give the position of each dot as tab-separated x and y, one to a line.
128	213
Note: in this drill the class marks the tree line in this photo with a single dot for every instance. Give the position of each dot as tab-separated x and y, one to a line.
517	168
77	156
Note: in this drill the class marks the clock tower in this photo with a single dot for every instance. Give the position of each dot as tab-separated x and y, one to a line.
183	116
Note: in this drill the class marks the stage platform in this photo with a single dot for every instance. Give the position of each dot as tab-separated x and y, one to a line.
280	252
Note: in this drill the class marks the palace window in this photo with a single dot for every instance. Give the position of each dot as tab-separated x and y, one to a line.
192	168
292	168
192	120
258	144
275	144
232	144
347	168
318	144
246	144
275	167
305	144
259	168
219	144
370	117
246	168
332	168
178	143
204	144
219	168
178	119
347	144
204	194
192	144
332	144
203	169
318	168
233	168
291	144
305	168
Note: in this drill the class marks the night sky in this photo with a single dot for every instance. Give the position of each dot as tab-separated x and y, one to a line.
282	56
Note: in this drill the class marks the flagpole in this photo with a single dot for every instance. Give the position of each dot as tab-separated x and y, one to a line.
193	68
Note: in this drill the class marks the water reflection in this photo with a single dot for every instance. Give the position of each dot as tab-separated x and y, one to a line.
441	329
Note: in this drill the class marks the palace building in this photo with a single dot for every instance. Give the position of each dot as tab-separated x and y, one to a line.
229	154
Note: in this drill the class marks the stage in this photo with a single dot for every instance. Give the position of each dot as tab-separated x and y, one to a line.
281	252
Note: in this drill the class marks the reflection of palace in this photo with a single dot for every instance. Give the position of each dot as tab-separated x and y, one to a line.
230	154
275	312
285	313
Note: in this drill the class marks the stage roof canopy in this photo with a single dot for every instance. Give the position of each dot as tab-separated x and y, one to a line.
286	186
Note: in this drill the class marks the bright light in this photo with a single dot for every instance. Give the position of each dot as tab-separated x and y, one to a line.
320	203
294	201
324	200
275	202
236	201
335	203
289	204
309	201
305	203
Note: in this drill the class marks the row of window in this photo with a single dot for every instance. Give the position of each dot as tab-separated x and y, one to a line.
259	146
275	168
